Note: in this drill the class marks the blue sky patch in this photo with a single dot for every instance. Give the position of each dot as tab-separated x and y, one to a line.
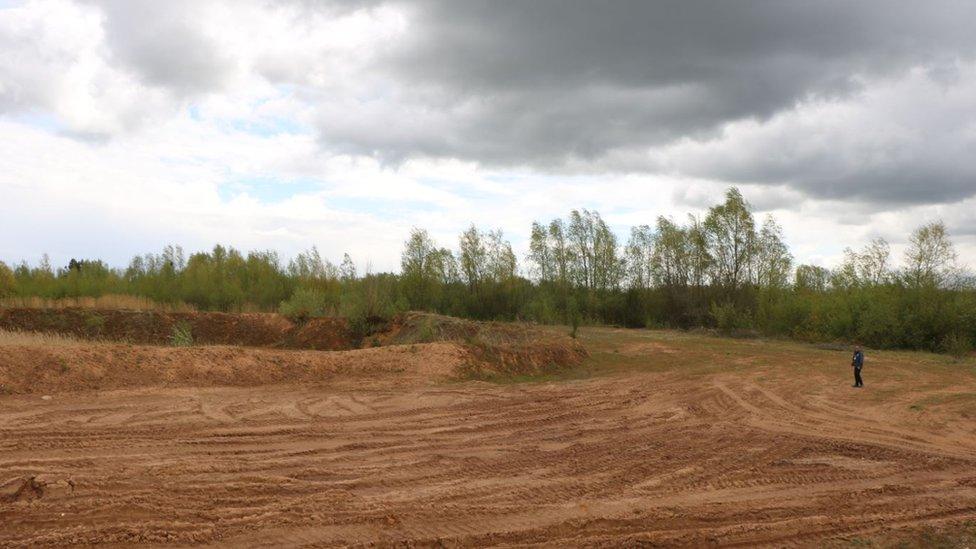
268	190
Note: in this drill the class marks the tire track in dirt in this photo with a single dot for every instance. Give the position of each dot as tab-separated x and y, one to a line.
785	417
624	460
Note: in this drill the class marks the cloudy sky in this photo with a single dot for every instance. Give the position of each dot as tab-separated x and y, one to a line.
129	124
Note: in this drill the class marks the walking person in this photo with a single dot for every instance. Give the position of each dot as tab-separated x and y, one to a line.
858	362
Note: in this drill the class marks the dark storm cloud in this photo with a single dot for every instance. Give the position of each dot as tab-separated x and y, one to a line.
550	83
908	178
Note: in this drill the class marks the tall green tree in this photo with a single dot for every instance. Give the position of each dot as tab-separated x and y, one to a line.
670	259
930	259
640	257
347	269
425	268
594	252
7	280
812	278
560	251
472	257
773	260
732	234
502	264
699	252
541	254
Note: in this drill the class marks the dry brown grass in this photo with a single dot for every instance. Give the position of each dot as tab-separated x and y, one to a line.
35	339
111	301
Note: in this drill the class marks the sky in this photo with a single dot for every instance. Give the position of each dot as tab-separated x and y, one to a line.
126	125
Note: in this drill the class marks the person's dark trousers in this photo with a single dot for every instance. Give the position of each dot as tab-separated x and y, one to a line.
858	382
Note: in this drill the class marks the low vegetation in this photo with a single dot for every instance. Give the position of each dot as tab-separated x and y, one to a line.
182	335
107	301
723	271
38	339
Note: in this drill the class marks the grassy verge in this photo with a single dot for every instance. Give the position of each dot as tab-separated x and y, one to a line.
619	351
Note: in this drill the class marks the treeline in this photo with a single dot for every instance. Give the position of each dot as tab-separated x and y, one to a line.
723	270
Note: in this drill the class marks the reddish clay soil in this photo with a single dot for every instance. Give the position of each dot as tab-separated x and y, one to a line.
736	453
103	366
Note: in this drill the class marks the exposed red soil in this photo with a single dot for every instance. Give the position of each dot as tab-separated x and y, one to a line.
102	366
479	350
322	334
498	348
654	459
504	348
707	442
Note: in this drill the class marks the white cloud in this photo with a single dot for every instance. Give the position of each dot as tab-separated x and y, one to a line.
243	123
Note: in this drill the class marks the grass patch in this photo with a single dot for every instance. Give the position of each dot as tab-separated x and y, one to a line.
182	335
94	323
697	354
35	339
108	301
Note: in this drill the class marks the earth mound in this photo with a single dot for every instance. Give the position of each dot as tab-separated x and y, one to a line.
133	349
103	366
497	348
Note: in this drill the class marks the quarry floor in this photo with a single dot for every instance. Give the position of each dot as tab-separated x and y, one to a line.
660	438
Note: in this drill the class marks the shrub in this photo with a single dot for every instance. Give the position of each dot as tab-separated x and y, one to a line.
182	335
7	280
94	323
362	327
729	319
305	303
957	345
426	333
367	305
575	316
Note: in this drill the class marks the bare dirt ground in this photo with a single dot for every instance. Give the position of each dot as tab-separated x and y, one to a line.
659	439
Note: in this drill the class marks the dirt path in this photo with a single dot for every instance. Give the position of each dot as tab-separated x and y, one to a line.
651	457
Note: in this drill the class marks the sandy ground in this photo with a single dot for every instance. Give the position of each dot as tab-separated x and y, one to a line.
78	366
734	454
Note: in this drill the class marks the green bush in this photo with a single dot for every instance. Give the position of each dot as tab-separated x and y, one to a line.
367	304
7	280
426	334
729	319
306	303
957	345
94	323
182	335
881	310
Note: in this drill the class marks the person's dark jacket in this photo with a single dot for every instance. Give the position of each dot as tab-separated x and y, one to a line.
858	360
